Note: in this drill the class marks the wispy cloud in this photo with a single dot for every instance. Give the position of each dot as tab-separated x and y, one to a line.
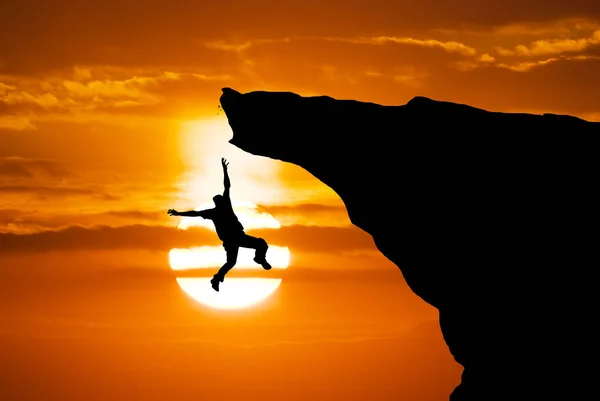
309	214
16	123
475	58
157	237
20	221
43	191
529	65
449	46
23	167
524	66
410	76
245	45
103	238
545	47
540	43
39	218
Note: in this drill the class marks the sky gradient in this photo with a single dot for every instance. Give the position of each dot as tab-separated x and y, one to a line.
109	117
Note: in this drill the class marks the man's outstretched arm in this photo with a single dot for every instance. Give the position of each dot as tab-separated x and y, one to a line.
226	182
190	213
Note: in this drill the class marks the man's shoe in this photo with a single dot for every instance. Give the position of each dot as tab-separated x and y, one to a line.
263	263
214	282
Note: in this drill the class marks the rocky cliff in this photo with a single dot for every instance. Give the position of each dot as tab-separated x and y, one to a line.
488	215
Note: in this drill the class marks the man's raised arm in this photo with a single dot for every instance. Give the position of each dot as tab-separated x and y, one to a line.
226	182
190	213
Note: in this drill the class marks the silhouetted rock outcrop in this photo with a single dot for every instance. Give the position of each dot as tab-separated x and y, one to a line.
490	217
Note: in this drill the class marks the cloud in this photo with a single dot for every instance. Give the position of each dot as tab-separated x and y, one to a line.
19	221
239	47
468	65
526	66
133	214
30	167
410	76
85	88
560	40
39	218
147	33
162	238
523	66
449	46
302	208
160	65
309	214
103	238
54	194
48	191
545	47
15	123
87	91
317	239
337	273
486	58
560	26
488	51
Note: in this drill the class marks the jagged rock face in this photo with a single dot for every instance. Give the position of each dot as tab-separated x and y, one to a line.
475	208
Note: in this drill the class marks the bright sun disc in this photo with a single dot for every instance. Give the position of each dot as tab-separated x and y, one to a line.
234	293
211	256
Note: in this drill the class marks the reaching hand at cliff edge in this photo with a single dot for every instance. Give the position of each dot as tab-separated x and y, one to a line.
224	163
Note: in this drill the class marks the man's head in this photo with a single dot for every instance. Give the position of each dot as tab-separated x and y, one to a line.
218	199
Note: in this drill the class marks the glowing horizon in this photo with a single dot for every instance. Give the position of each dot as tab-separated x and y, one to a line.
213	257
234	293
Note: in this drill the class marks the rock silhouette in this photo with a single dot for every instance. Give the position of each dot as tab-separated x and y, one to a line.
490	217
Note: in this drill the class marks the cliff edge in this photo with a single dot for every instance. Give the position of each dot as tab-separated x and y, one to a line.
490	217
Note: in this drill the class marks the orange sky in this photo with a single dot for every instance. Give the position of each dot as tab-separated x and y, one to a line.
108	117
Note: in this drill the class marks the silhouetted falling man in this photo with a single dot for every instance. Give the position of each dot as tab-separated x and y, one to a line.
230	231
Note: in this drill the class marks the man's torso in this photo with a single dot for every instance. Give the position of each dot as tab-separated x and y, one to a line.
226	223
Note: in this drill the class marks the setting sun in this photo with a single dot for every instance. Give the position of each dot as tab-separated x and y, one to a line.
235	293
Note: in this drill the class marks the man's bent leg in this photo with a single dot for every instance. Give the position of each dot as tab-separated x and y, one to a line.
232	254
260	245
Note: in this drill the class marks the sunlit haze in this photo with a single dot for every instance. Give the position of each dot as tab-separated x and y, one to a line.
203	143
109	117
